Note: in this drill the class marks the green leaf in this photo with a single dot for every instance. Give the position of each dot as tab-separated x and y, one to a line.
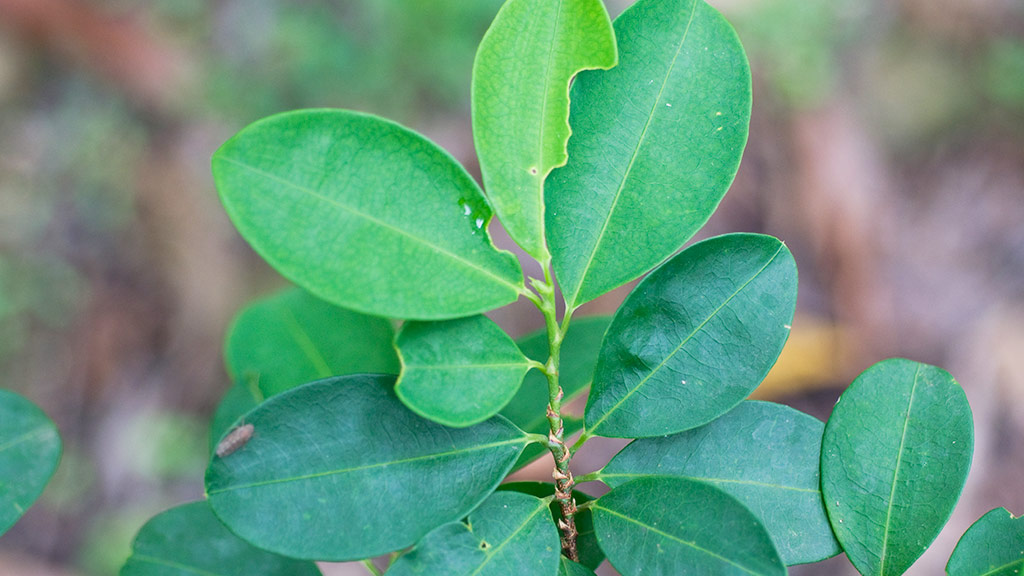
189	540
894	459
30	449
570	568
586	542
458	372
656	143
510	533
667	526
576	369
992	546
365	214
765	455
521	101
694	338
293	337
344	456
242	397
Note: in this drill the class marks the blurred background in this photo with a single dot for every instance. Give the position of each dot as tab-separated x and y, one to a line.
886	149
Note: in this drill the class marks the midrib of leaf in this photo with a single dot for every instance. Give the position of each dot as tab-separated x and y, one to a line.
31	435
523	440
306	344
1019	563
542	171
674	538
391	228
684	342
896	472
467	366
175	565
632	160
714	480
494	552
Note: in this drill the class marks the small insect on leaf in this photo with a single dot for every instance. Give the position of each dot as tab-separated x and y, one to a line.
234	440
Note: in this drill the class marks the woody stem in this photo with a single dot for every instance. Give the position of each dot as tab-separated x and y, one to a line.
556	431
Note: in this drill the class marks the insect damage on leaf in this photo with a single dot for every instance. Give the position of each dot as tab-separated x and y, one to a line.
234	440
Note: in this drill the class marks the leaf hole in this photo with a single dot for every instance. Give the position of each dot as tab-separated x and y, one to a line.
484	545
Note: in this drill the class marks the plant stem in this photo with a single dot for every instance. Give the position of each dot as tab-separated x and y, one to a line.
371	568
556	431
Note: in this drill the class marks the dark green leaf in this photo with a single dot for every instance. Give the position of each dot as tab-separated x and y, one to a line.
663	526
992	546
521	101
344	456
765	455
894	459
189	540
586	542
365	214
458	372
656	143
576	369
293	337
510	533
30	449
570	568
694	338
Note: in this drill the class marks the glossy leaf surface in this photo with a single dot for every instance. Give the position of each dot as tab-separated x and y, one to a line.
586	542
656	143
521	101
30	450
293	337
458	372
694	338
576	370
365	214
340	469
510	533
894	459
992	546
664	526
189	540
765	455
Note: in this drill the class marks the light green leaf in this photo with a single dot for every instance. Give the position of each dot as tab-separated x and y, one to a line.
894	459
694	338
576	369
293	337
521	101
765	455
189	540
30	450
662	526
343	456
656	143
992	546
586	541
510	533
458	372
365	214
570	568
